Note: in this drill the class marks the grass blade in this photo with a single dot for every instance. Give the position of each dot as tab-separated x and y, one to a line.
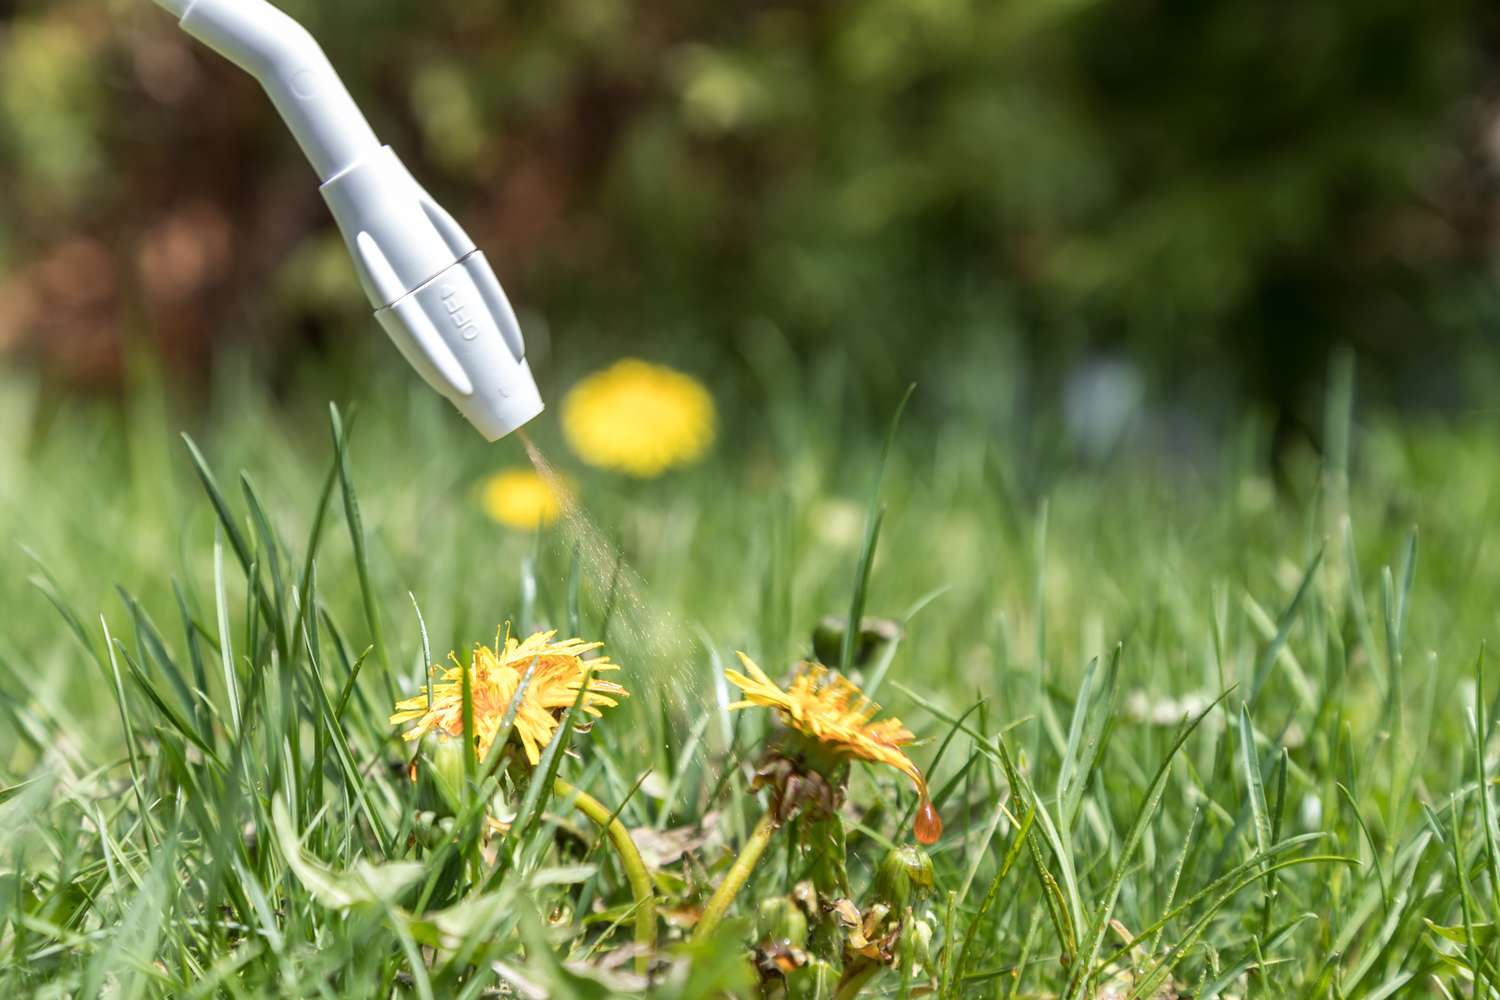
357	538
873	516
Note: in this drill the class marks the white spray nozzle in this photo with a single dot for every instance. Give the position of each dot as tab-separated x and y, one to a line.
433	291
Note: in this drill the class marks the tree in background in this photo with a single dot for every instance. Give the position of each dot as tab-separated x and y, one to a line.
1214	188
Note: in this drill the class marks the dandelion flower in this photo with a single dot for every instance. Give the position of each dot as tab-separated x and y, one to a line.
520	499
836	716
639	418
496	674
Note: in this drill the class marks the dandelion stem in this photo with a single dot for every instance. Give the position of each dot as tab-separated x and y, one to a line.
738	873
630	860
860	972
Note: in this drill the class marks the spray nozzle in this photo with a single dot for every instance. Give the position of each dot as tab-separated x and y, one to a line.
433	291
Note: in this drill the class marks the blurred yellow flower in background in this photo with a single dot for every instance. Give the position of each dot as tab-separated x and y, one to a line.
521	499
639	418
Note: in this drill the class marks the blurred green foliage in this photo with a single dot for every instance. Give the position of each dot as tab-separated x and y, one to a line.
1221	189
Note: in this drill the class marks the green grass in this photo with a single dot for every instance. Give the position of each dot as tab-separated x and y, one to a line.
1191	729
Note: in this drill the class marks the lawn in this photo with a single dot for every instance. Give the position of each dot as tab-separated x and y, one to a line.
1196	725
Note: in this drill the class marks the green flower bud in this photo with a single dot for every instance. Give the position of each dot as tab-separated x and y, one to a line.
443	764
780	920
817	980
903	870
916	939
874	633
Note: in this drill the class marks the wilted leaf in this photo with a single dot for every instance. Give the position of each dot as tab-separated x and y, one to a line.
363	884
660	848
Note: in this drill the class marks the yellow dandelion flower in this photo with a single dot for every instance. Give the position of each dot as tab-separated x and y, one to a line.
639	418
496	675
521	499
826	707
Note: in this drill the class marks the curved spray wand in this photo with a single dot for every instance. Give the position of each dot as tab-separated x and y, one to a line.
433	290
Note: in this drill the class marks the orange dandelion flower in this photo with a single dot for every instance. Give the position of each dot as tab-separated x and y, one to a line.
560	673
829	709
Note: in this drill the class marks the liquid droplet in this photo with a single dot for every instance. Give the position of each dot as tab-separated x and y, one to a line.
929	825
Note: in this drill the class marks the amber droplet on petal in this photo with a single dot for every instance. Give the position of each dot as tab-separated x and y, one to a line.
929	825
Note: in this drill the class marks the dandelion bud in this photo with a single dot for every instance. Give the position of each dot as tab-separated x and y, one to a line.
903	869
443	763
916	939
782	922
874	633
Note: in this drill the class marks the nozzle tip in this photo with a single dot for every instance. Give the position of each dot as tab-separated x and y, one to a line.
497	416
